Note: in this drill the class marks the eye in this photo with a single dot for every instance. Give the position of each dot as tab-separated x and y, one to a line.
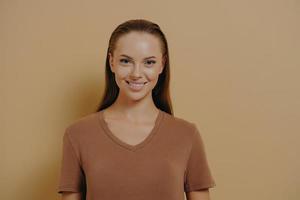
149	62
124	61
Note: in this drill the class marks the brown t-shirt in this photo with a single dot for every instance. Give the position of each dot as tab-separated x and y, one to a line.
170	161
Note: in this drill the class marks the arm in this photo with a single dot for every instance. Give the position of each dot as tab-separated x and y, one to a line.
198	195
71	196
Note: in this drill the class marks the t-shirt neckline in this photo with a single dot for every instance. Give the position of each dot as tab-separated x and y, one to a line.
125	145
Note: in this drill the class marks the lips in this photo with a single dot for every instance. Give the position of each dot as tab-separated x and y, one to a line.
133	82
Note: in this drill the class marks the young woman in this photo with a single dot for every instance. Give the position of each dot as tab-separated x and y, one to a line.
133	147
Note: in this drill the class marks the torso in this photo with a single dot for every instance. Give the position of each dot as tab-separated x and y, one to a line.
154	169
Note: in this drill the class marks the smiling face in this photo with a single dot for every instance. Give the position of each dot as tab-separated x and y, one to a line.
136	62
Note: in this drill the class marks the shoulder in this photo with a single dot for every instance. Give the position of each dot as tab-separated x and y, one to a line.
79	127
180	125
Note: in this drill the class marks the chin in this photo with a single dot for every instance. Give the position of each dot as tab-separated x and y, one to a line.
137	96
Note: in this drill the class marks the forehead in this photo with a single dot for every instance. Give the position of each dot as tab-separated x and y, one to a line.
138	45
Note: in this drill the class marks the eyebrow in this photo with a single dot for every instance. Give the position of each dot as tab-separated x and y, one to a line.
132	58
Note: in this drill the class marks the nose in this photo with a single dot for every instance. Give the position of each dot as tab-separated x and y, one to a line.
136	71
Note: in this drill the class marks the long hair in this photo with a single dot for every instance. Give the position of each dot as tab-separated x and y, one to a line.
161	92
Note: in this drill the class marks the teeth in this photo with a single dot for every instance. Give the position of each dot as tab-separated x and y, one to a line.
132	83
135	86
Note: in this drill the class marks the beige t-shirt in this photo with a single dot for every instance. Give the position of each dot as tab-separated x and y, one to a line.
170	161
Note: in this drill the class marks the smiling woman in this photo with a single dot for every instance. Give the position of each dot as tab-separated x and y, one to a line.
133	147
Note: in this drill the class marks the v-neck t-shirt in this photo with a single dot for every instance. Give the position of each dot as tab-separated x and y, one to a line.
171	160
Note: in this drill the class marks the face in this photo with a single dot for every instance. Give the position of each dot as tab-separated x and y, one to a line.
136	62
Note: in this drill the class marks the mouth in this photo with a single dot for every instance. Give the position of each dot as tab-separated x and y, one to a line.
136	83
136	86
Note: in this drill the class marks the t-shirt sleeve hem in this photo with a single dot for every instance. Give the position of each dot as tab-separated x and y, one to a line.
195	187
67	188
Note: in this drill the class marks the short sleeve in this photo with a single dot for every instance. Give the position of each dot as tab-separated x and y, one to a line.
71	177
198	175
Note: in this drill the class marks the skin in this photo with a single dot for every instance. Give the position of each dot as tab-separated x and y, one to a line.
198	195
126	116
138	58
131	105
71	196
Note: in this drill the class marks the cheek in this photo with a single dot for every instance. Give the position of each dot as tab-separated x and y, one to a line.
152	74
122	72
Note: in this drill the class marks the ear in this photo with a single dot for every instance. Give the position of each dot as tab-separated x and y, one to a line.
110	59
163	64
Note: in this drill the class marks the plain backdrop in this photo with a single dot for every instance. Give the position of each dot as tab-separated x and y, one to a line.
234	72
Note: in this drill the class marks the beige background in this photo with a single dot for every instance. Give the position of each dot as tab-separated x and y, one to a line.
235	72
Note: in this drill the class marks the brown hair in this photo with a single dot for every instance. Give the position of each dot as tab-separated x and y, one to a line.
160	93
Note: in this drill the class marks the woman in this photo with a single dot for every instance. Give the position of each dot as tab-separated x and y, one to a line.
133	147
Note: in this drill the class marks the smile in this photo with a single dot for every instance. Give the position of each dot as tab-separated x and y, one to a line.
135	86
